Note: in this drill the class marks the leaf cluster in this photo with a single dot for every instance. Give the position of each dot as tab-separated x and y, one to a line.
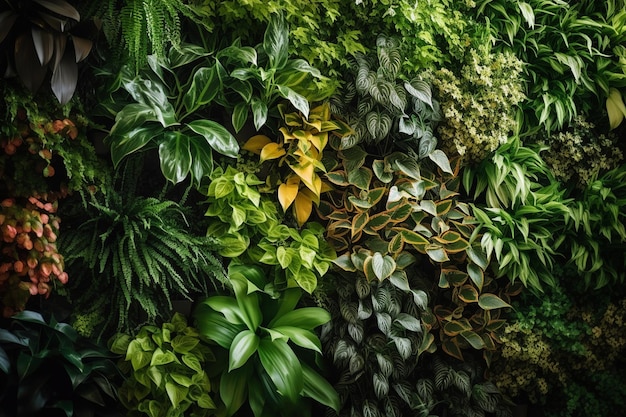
44	35
47	369
165	371
572	53
178	102
139	251
382	107
262	333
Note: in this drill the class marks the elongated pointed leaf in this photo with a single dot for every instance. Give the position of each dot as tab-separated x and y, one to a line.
60	7
244	345
175	156
205	86
615	108
491	301
301	337
44	45
234	387
305	318
136	139
226	305
297	100
27	65
201	159
215	327
259	112
7	19
318	388
283	367
82	47
239	116
154	95
276	41
217	136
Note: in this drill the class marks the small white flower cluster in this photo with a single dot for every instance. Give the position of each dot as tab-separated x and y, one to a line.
479	104
579	154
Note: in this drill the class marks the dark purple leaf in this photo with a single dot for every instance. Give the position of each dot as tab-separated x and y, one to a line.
44	45
27	63
60	7
7	18
49	22
65	77
82	47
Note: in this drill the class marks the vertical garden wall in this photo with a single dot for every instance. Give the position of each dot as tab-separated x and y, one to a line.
291	208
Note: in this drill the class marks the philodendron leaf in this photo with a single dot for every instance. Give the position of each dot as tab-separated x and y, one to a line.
175	156
318	388
283	367
176	393
204	87
217	136
276	41
615	108
383	266
244	345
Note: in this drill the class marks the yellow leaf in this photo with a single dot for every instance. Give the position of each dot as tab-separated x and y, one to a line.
320	140
303	206
615	107
288	191
306	172
272	150
256	143
286	134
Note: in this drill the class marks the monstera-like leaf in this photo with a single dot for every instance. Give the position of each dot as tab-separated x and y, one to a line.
41	35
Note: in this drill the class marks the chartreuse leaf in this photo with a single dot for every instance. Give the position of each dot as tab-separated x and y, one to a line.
283	367
244	345
318	388
615	108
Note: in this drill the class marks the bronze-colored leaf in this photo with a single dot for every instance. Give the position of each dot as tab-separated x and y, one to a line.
64	78
82	47
44	45
7	19
27	64
60	7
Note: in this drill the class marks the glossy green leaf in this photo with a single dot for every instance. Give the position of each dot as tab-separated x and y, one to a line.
217	136
297	100
318	388
175	156
306	318
301	337
244	346
491	301
214	326
276	41
226	305
160	357
441	159
468	294
234	387
383	266
153	94
259	112
206	84
201	159
477	275
473	339
239	116
132	141
283	367
176	393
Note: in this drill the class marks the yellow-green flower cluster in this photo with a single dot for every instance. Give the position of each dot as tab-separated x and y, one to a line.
579	154
479	103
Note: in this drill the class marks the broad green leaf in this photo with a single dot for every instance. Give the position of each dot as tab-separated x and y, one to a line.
437	253
239	116
192	362
408	322
185	53
276	41
160	357
176	393
226	305
477	275
216	327
241	54
153	94
468	294
319	389
131	117
217	136
297	100
305	318
132	141
201	159
615	108
301	337
206	84
473	339
420	90
491	301
440	158
383	266
244	346
306	280
259	112
175	156
234	387
361	177
283	367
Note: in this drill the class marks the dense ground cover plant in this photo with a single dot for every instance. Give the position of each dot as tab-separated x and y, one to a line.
478	103
565	354
166	371
47	369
